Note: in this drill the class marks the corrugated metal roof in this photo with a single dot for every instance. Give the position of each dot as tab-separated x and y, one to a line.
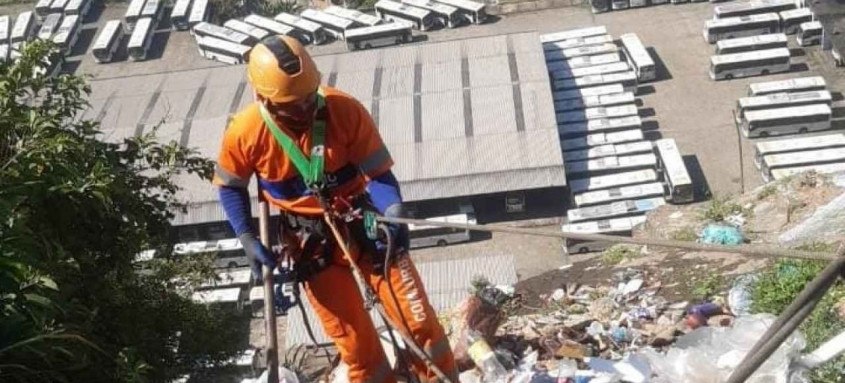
447	284
460	117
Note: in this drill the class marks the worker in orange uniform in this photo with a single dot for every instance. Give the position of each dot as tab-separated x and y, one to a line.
348	165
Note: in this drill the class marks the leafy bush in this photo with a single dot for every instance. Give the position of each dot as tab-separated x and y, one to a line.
720	208
777	288
224	10
618	253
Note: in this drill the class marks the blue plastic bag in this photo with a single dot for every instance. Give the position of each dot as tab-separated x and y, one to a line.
715	234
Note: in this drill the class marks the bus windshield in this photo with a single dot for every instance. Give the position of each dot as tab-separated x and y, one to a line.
422	236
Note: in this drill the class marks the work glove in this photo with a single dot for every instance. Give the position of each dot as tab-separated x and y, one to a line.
398	233
257	254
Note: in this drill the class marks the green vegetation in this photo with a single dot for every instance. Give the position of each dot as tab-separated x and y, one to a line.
686	234
781	283
767	191
233	9
720	208
74	212
619	253
709	286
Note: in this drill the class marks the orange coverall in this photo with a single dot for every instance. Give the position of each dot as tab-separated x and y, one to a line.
354	151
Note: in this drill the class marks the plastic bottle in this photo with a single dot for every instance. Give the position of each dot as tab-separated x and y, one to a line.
485	358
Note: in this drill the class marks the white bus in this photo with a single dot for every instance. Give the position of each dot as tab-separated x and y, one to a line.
205	29
107	42
78	7
731	27
50	25
336	26
598	113
779	100
779	174
141	39
647	190
615	209
581	185
4	52
753	7
42	8
200	11
616	226
221	50
421	19
153	9
577	42
638	56
268	24
257	34
566	73
573	34
179	15
594	101
583	61
613	164
585	50
472	11
796	144
424	235
133	13
675	175
636	147
587	92
361	18
446	14
792	19
797	159
378	36
751	43
809	33
306	31
619	4
599	139
58	6
67	34
599	125
24	27
794	119
752	63
798	84
628	80
5	29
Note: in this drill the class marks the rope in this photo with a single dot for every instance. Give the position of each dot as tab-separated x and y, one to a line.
766	251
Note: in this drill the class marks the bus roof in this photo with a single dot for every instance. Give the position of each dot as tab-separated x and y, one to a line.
752	55
152	7
325	18
249	29
751	40
635	48
198	10
5	25
298	22
613	225
597	139
22	23
573	33
269	24
585	92
821	96
787	85
798	143
782	173
464	4
461	219
68	23
139	34
811	25
791	111
386	27
577	42
796	13
736	20
440	8
135	7
579	185
615	209
402	8
181	7
806	157
105	36
352	14
224	44
672	161
749	5
620	193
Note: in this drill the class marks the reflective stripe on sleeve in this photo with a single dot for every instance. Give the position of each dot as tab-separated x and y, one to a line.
229	179
376	160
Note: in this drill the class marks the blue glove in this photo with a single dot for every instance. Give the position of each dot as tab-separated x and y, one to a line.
398	232
257	254
387	199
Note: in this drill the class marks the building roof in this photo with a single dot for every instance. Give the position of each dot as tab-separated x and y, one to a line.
460	118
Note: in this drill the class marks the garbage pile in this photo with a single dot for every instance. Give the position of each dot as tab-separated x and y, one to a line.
623	333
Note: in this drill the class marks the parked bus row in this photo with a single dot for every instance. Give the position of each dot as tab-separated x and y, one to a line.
793	106
601	6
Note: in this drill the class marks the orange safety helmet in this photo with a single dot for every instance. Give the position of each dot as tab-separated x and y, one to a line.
281	70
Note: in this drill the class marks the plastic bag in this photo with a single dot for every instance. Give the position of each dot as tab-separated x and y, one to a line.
474	313
716	234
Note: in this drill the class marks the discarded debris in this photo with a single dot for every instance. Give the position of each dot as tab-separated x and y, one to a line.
718	234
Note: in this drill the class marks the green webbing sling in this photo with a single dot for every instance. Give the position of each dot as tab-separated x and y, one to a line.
311	171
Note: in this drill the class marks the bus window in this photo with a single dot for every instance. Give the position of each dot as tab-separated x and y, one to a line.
378	36
423	235
420	18
788	120
792	19
674	171
179	15
141	39
752	63
809	33
732	27
221	50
